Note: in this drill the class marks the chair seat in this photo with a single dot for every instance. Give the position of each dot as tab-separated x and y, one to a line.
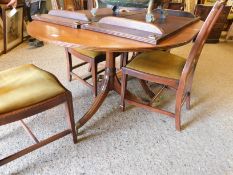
230	16
158	63
26	85
89	53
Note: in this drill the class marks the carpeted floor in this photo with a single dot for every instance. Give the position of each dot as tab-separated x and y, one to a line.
136	141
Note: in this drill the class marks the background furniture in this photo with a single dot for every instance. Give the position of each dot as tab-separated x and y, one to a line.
229	19
36	92
175	5
55	4
88	4
12	27
71	5
230	32
203	10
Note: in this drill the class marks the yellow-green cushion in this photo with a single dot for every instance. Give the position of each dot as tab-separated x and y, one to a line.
230	16
89	53
159	63
209	2
26	85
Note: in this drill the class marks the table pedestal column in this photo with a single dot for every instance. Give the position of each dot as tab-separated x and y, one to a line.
110	82
107	85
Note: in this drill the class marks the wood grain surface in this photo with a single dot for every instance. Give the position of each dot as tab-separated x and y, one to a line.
68	37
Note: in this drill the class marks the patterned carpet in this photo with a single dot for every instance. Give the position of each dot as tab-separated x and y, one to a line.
137	141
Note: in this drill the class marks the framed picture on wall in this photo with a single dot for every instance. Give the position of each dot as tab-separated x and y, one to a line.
12	27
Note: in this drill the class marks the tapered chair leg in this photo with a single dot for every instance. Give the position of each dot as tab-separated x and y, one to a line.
177	119
123	89
70	116
178	112
69	64
94	77
124	59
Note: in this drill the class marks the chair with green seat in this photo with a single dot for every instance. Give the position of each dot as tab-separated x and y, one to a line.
27	90
91	57
170	70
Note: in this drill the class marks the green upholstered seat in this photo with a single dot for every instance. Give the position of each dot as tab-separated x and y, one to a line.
158	63
230	16
26	85
89	53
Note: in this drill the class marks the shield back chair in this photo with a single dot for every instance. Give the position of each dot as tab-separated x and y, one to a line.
27	90
170	70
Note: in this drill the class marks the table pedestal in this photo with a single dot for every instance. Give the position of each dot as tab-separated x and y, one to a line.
110	82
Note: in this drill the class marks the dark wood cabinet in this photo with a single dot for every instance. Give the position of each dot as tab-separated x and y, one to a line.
202	11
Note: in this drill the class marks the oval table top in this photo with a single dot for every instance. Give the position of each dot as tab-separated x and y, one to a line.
69	37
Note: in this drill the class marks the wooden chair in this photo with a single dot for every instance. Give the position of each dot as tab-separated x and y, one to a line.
27	90
170	70
230	32
229	26
89	57
202	11
176	5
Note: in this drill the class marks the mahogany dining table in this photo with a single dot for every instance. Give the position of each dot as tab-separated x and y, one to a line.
85	39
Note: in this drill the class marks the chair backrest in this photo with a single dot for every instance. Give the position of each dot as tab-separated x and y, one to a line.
71	5
195	52
67	5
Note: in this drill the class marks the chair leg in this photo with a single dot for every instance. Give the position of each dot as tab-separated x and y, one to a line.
123	89
69	64
177	117
94	76
124	59
70	116
178	110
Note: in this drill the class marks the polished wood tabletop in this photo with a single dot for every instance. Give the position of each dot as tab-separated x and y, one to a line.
69	37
